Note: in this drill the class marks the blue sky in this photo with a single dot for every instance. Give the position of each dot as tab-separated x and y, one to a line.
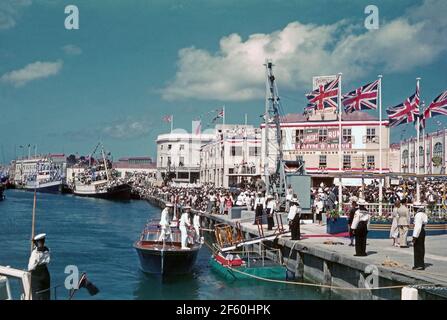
134	61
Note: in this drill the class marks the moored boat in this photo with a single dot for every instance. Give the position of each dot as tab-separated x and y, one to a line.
165	257
2	189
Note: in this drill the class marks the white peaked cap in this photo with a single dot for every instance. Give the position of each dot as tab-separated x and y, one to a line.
40	236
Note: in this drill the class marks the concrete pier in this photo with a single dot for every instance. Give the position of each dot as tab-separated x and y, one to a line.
329	260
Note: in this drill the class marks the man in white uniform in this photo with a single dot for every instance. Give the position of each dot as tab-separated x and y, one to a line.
184	225
196	225
165	222
37	265
420	220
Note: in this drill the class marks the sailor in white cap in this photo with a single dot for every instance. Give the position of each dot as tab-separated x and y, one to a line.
360	228
294	217
165	222
37	265
420	220
184	224
196	225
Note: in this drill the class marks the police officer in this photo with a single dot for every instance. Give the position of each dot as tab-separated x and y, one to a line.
37	265
420	220
360	228
294	217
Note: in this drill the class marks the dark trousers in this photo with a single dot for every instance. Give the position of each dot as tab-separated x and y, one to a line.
295	227
40	283
258	214
270	221
419	249
360	238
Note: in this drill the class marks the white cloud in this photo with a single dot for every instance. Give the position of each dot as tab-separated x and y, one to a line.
10	11
127	129
72	50
300	51
32	71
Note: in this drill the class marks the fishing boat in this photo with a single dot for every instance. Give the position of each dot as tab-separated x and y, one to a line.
246	265
165	257
48	178
100	181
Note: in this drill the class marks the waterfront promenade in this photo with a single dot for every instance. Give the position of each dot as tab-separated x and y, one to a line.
329	259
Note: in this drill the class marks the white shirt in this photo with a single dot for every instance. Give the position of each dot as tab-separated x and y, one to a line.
184	220
271	205
164	220
240	199
419	219
359	216
196	220
259	201
38	258
293	210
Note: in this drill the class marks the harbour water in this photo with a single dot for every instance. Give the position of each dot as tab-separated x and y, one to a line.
97	236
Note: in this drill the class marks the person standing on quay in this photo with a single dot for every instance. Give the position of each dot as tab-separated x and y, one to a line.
420	220
351	218
259	208
394	231
360	228
402	223
271	206
294	217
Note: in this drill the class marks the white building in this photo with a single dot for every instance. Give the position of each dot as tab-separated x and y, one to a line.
314	139
131	165
178	154
432	154
232	157
24	168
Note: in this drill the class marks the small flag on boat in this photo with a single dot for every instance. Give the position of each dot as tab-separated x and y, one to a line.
167	118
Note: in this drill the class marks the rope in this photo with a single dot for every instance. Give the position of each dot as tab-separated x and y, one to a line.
322	285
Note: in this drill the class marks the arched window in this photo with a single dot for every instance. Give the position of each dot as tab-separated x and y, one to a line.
405	155
437	149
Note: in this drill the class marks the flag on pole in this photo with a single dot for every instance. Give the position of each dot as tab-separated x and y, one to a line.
406	112
326	96
363	98
437	107
220	114
167	118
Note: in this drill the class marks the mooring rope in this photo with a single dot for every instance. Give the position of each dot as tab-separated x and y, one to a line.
323	285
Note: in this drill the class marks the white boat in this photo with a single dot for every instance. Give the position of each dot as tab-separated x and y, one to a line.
48	178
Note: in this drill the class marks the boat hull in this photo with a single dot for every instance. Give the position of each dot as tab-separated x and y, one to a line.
121	192
51	187
165	262
2	189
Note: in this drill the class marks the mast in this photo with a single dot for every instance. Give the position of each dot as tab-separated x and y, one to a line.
105	163
272	107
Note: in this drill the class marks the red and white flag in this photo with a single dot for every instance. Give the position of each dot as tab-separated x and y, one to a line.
167	118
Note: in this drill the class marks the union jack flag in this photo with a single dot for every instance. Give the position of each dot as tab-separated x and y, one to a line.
326	96
437	107
405	112
220	114
363	98
167	118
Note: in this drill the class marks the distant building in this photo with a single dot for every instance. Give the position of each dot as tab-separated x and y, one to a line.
314	139
21	169
432	154
132	165
232	157
178	155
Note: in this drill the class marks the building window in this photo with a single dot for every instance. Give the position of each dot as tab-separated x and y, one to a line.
161	161
254	151
169	161
323	161
169	146
181	161
371	135
182	147
236	151
347	136
161	147
346	162
437	149
370	162
322	135
299	135
230	170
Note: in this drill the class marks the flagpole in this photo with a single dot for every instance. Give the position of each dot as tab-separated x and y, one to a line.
416	152
340	187
381	180
172	122
223	117
423	137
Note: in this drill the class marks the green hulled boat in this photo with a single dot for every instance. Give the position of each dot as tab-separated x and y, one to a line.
234	267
